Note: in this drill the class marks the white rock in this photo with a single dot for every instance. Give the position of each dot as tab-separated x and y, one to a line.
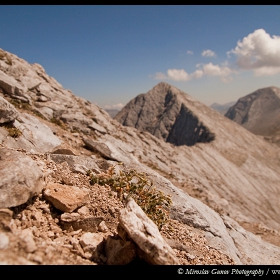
146	235
4	240
91	239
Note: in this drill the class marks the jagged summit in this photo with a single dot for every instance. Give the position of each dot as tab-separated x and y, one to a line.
259	111
163	112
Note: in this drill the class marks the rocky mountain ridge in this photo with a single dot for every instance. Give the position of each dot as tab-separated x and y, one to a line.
50	213
259	113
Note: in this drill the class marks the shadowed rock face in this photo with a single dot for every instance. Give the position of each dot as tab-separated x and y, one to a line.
163	114
188	130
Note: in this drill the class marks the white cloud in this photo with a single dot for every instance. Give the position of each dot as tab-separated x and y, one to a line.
266	71
115	106
178	75
259	52
208	53
223	72
189	52
209	69
159	76
197	74
215	70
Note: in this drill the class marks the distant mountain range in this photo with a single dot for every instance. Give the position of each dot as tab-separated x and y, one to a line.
112	112
222	108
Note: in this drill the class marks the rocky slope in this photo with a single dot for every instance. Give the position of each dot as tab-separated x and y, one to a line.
259	112
60	202
223	165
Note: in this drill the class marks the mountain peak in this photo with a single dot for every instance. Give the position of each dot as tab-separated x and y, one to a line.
259	111
163	111
163	88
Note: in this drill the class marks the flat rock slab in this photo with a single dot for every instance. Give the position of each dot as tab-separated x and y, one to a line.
99	147
66	198
36	132
20	178
146	235
10	85
76	161
36	137
97	127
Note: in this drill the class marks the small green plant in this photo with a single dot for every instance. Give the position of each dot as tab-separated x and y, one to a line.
25	106
136	185
20	104
13	132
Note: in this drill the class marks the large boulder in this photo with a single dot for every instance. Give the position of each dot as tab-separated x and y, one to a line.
20	178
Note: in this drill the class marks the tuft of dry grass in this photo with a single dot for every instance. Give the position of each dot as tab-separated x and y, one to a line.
136	185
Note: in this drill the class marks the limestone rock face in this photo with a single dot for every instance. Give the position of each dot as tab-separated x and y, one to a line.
21	178
162	113
8	112
34	136
259	112
10	86
98	147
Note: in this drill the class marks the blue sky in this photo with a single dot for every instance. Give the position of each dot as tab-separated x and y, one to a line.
110	54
